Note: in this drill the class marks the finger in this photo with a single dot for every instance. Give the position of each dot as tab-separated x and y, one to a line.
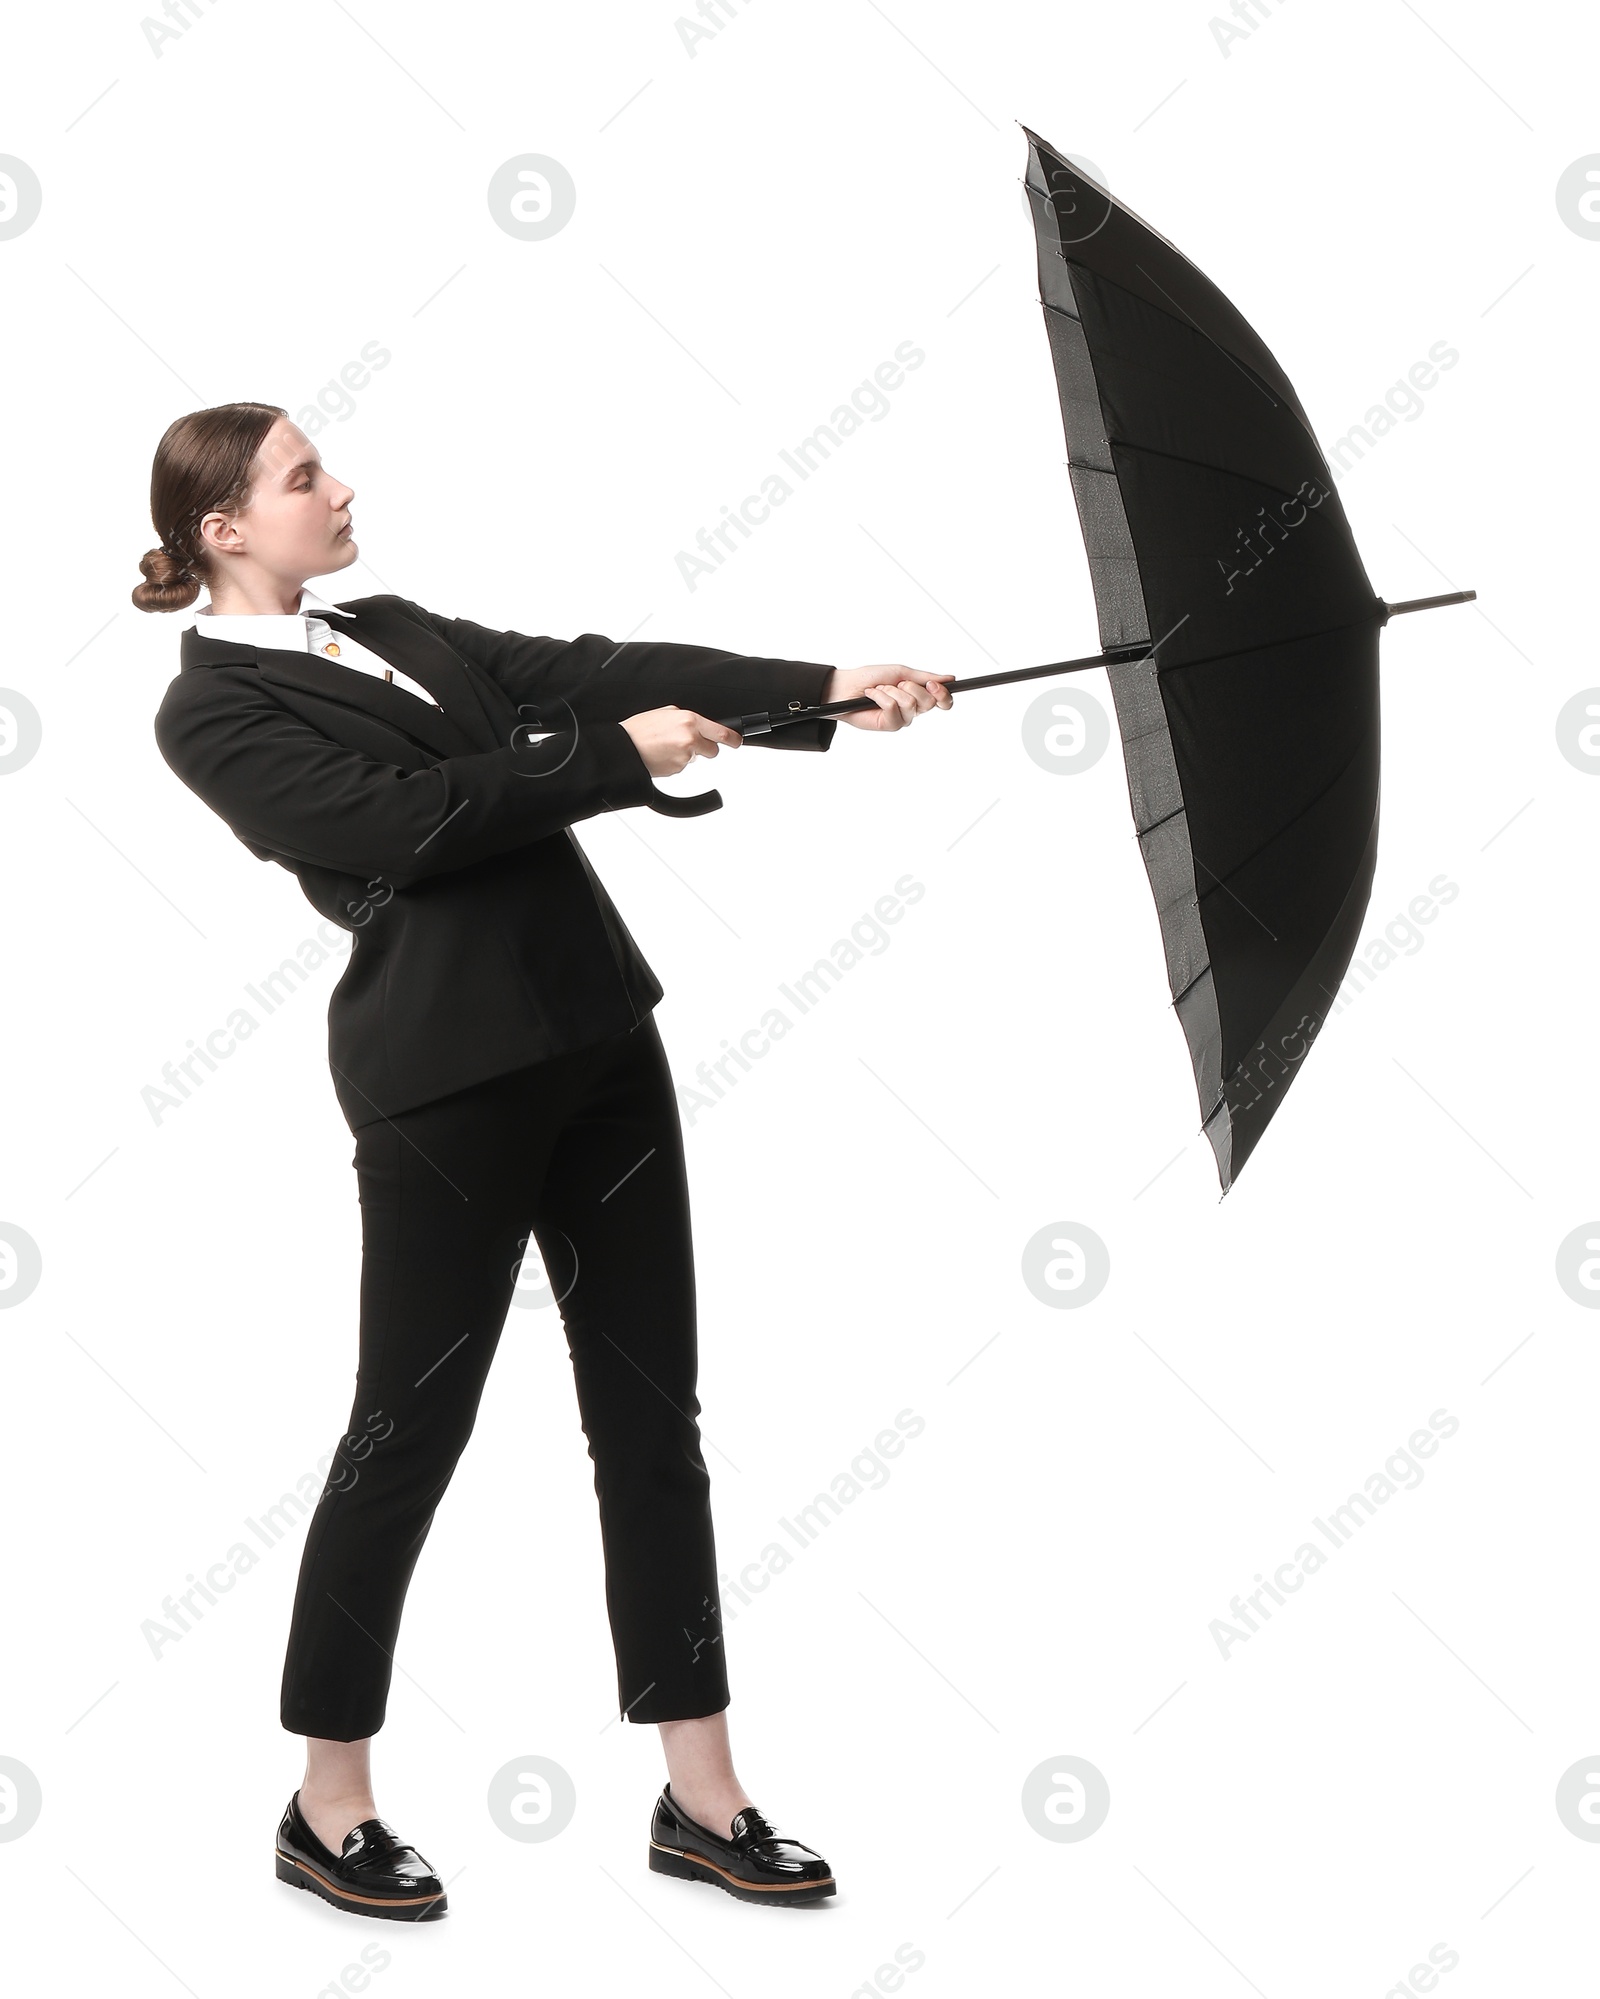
893	675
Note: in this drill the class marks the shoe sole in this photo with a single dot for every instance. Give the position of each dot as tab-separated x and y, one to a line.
685	1866
395	1908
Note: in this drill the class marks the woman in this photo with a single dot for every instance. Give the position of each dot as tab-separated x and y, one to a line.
495	1055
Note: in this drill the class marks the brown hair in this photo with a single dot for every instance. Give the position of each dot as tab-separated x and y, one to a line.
202	466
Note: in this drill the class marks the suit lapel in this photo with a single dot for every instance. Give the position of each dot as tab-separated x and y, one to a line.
473	718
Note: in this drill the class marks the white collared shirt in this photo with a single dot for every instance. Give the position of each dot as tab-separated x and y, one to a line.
304	630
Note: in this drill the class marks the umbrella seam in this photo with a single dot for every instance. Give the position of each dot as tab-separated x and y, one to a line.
1289	401
1181	458
1279	831
1239	652
1189	988
1238	1067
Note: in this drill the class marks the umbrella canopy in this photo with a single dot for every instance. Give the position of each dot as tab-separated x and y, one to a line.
1250	728
1239	633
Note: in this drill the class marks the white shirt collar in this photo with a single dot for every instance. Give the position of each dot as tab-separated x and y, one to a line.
279	630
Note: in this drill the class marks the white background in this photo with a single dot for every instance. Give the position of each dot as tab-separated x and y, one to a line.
758	225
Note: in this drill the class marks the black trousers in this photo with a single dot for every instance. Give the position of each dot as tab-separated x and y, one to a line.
586	1152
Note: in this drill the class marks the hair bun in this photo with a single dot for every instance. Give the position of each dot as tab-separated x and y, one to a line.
171	581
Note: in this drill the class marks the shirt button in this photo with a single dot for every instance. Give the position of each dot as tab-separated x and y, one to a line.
332	648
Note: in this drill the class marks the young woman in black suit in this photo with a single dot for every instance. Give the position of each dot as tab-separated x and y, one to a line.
495	1055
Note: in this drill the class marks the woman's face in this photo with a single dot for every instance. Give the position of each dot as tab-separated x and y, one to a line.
298	521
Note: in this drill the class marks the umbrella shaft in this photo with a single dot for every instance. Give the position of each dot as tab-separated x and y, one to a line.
1430	603
757	725
760	725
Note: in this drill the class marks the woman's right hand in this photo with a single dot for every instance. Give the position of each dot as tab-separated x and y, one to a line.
669	738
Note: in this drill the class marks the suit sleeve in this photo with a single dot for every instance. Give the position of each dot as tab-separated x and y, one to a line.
605	681
283	785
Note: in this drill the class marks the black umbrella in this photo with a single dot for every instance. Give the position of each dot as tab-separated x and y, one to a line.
1239	633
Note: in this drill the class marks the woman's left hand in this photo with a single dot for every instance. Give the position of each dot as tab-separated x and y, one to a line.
900	696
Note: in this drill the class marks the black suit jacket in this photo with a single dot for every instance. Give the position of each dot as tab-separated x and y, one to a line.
482	940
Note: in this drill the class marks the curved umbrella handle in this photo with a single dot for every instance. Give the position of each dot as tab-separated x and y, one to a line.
683	808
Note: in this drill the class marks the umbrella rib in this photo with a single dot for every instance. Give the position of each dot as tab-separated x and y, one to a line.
1264	645
1238	1067
1247	373
1177	457
1111	283
1202	892
1202	465
1176	811
1189	988
1278	832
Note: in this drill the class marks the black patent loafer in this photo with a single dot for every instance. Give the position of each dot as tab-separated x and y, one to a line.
757	1862
373	1874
